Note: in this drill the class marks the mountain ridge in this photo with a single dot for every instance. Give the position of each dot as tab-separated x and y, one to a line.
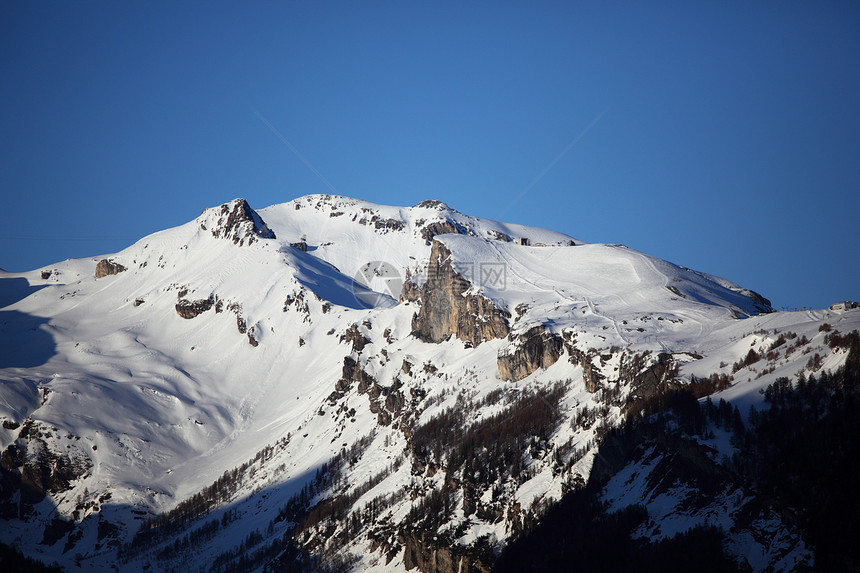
302	338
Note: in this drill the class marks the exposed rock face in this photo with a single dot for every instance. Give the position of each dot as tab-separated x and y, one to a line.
387	402
535	349
12	457
647	374
499	236
425	552
409	292
762	304
355	337
443	223
33	468
433	204
440	228
446	310
386	224
106	267
590	372
380	223
191	308
239	223
56	530
241	323
352	372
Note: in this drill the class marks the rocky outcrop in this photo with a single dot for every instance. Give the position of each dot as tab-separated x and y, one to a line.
352	372
648	375
499	236
443	227
383	224
298	302
237	222
190	308
409	292
447	309
426	552
35	466
535	349
762	304
591	374
432	204
353	336
387	402
106	267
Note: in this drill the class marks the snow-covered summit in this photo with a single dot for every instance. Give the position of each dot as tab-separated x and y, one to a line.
235	221
338	227
326	325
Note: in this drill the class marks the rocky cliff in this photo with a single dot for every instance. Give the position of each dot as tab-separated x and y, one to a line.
428	554
536	348
442	227
447	308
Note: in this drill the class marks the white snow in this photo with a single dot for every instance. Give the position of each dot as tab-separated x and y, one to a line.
171	403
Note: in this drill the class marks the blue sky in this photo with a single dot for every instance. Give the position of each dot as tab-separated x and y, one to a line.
724	136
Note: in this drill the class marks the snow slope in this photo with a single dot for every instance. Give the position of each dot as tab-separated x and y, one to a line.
162	405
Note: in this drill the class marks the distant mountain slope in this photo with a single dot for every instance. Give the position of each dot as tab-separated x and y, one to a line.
330	383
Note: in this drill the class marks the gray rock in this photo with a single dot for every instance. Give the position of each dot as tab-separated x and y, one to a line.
240	224
441	228
535	349
446	310
191	308
106	267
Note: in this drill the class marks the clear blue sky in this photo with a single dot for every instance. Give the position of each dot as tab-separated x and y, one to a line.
729	139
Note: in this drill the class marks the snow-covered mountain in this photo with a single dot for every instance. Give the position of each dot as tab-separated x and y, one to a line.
333	384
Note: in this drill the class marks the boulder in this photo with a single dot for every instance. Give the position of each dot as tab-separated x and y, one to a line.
106	267
191	308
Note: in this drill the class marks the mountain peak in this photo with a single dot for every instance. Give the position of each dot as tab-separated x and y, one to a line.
434	204
236	221
386	381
